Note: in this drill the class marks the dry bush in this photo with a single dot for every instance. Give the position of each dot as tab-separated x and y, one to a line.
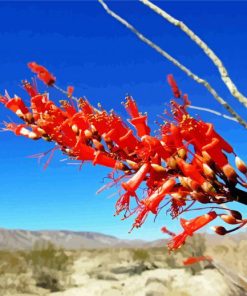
12	262
49	266
44	266
140	255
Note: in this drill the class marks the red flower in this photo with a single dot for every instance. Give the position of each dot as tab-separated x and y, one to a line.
132	184
173	86
152	202
42	73
193	260
166	231
17	106
190	226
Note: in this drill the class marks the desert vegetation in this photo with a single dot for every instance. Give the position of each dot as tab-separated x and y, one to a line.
44	268
48	270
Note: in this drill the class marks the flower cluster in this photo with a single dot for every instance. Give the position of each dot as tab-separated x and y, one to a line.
184	165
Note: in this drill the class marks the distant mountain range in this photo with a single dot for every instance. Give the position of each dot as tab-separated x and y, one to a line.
25	239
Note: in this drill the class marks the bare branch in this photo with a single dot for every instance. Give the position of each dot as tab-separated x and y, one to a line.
207	50
213	112
176	63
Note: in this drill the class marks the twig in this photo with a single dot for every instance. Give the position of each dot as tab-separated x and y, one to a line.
207	50
176	63
213	111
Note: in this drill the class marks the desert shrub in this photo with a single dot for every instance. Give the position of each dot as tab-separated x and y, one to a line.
195	247
49	266
140	255
48	256
12	262
171	261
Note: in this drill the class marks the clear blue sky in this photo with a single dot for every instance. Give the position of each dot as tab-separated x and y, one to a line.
85	47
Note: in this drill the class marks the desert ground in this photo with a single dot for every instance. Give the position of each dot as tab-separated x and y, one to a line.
150	271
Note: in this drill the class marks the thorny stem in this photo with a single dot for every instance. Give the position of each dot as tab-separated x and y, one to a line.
207	50
186	70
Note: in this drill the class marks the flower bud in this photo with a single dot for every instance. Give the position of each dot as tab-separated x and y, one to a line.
219	198
201	197
219	230
75	128
184	182
98	145
208	187
229	219
88	134
176	195
236	214
240	164
171	162
29	117
182	153
193	184
208	171
158	168
132	164
229	172
207	158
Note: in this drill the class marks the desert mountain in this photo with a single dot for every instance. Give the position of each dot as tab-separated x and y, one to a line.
25	239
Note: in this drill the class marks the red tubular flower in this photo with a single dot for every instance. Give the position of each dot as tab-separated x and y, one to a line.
38	104
83	152
70	90
136	180
215	151
123	203
128	140
22	130
190	226
141	217
80	121
167	231
70	110
190	170
176	136
55	113
152	202
177	241
154	146
193	260
173	86
30	89
3	100
140	124
121	136
42	73
222	143
68	136
85	106
102	159
131	107
17	106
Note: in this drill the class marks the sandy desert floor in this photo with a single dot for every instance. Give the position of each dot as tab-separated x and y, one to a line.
137	272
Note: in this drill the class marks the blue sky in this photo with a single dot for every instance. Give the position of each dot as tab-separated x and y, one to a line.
85	47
